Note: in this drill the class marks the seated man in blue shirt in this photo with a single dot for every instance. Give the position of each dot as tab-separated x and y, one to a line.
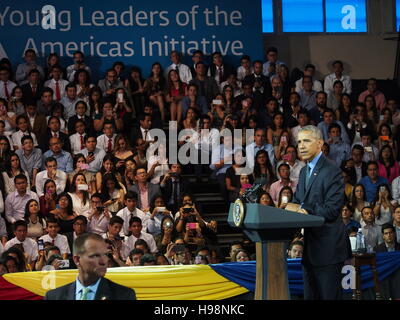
64	158
90	256
338	149
372	181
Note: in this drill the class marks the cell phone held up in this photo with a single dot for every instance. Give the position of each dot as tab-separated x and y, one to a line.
40	244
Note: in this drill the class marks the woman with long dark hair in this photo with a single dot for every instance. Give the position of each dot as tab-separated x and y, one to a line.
83	84
358	201
175	92
108	167
383	206
263	172
135	85
36	224
155	86
95	101
388	167
12	169
113	193
49	199
64	213
79	193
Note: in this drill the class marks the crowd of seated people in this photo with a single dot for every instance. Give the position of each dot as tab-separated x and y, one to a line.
73	155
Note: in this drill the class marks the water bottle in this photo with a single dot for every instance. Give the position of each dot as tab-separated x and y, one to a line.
360	243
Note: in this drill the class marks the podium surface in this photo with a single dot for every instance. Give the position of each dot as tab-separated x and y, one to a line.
270	228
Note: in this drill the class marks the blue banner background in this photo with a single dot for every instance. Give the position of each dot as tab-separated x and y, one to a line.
240	33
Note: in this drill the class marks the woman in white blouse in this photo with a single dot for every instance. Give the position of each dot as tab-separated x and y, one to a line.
13	168
383	205
80	191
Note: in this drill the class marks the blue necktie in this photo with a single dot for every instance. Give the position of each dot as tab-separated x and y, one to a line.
308	175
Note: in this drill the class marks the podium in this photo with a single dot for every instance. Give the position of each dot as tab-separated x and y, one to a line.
271	229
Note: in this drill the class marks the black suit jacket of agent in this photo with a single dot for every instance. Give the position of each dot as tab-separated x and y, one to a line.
382	247
44	144
107	290
324	196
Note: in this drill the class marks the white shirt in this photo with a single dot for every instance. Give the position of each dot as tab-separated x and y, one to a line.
15	205
241	72
396	190
75	141
184	72
330	80
71	72
144	136
159	171
61	84
17	136
30	247
294	171
102	142
60	241
317	86
146	237
125	214
78	206
10	86
60	180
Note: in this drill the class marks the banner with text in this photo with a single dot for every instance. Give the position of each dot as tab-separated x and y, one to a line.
135	32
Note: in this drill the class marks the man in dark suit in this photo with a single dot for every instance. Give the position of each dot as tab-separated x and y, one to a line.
173	187
389	239
359	168
320	192
39	120
207	86
219	70
32	90
258	80
53	130
90	255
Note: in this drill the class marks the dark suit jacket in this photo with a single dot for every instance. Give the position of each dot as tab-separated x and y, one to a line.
210	87
44	142
227	70
107	290
324	196
183	186
153	190
28	96
382	247
39	126
353	174
71	124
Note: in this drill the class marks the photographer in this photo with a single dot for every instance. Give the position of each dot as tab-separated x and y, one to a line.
178	253
114	255
157	213
119	248
99	216
187	213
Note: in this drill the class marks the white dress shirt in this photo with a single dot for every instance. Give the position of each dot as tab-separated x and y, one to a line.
294	171
61	84
184	72
17	136
10	86
59	241
60	181
317	86
330	80
75	141
126	215
146	237
102	142
146	137
30	247
15	205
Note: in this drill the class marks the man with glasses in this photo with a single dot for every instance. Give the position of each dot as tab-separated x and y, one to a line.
144	189
79	226
63	158
110	83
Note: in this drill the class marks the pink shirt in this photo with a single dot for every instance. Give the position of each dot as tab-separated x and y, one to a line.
144	198
277	186
379	98
394	171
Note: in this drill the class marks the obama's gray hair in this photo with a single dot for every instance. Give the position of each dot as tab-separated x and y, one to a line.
317	133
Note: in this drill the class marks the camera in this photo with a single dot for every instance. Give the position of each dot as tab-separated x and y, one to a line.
64	264
187	210
100	209
168	224
180	247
